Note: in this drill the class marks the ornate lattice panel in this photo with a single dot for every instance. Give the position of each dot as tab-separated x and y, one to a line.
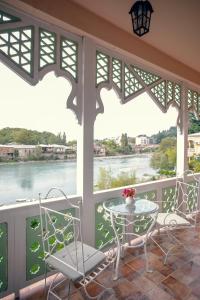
131	84
47	48
17	45
150	195
104	231
147	77
177	94
34	250
192	196
168	199
167	91
3	257
193	98
170	91
7	18
117	72
159	92
102	67
69	57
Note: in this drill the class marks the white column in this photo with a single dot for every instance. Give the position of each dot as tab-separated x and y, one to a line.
85	141
182	135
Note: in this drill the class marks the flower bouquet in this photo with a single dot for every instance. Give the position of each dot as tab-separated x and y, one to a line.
129	194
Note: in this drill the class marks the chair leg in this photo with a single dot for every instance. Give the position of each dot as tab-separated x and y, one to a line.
146	259
45	279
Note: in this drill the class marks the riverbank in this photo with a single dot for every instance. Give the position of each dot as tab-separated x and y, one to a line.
74	159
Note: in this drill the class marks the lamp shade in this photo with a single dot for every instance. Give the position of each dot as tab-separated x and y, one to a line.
141	16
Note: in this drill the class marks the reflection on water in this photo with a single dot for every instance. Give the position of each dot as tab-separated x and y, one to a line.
26	180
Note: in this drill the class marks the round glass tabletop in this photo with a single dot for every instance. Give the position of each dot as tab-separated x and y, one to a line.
140	207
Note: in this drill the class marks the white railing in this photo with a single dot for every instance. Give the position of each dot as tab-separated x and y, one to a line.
15	244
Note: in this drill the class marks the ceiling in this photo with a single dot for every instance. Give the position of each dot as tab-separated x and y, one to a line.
175	25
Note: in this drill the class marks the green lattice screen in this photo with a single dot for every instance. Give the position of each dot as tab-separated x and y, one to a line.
102	67
7	18
104	232
3	257
168	199
193	101
131	83
47	48
147	77
166	91
69	57
193	196
117	72
17	45
34	251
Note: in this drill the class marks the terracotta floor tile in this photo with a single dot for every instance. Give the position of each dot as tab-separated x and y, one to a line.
127	272
187	273
144	284
155	276
196	259
175	288
137	264
157	251
195	286
159	294
179	279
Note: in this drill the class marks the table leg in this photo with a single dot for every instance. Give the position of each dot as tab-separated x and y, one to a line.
116	275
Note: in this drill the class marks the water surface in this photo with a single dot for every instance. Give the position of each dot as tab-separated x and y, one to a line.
26	180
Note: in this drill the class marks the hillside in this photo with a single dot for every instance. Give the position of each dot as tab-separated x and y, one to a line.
30	137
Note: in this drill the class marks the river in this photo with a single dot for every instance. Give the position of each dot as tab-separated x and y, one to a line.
26	180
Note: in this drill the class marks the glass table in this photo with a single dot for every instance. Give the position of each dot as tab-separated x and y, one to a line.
132	225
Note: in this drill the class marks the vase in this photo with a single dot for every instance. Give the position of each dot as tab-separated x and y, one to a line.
129	200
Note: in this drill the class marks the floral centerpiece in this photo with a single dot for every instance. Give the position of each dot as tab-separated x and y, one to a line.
129	194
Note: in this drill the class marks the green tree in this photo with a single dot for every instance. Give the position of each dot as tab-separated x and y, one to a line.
107	181
165	156
157	138
64	139
25	136
194	124
110	146
125	147
124	140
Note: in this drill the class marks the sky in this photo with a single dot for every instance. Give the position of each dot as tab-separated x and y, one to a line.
43	108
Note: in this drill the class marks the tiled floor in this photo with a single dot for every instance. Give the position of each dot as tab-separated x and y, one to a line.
178	280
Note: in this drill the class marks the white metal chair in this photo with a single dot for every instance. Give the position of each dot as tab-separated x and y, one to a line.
183	212
65	250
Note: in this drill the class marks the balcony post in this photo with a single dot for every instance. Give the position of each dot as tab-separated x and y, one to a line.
182	135
85	140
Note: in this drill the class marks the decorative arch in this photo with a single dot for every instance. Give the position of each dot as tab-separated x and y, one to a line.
32	49
130	80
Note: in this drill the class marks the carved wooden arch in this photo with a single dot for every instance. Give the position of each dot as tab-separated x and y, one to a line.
32	48
130	80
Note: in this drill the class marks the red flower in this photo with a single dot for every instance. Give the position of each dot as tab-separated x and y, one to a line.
129	192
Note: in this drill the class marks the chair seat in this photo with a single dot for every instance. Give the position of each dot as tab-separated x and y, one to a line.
165	219
69	260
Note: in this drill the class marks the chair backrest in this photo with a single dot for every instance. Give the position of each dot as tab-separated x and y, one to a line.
187	196
61	229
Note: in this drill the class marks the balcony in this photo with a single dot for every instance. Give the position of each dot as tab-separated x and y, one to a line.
22	266
93	53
